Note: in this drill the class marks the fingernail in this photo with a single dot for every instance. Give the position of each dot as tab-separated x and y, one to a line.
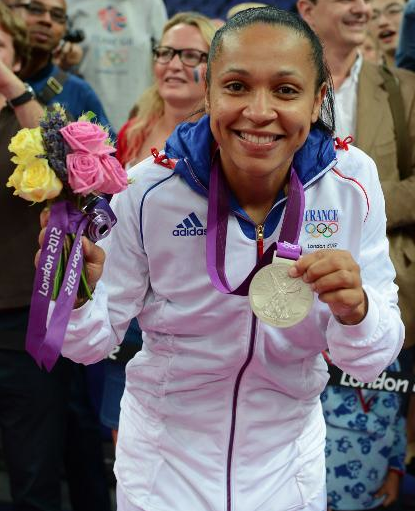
292	271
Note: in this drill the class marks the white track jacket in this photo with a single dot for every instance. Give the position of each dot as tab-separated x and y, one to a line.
221	412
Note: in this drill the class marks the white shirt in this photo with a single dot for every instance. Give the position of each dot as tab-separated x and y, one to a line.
345	102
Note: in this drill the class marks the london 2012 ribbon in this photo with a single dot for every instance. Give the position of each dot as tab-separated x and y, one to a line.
44	342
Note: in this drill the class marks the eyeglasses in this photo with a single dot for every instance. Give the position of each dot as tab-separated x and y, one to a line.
189	56
388	11
57	15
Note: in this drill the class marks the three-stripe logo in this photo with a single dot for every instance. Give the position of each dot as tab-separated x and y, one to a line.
190	226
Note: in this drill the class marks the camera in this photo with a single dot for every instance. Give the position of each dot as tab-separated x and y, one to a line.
74	36
101	218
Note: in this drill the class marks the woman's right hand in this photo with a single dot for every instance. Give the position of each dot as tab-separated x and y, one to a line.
94	256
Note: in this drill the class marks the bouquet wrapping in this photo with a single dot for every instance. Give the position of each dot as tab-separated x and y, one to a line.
70	165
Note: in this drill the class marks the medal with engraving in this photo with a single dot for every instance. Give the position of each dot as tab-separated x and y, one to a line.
275	297
278	299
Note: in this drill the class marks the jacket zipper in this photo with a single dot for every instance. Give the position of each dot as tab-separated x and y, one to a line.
260	240
260	250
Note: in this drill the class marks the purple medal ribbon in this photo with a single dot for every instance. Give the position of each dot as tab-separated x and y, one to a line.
217	227
45	344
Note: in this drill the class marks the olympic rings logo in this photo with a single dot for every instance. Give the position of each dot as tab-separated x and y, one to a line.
322	229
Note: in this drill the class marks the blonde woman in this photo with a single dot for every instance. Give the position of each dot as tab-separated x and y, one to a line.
178	89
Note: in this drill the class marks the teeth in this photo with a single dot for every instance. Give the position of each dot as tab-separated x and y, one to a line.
266	139
357	23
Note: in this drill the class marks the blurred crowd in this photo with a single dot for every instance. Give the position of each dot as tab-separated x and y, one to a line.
140	66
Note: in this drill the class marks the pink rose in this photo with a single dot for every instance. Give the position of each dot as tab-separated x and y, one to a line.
86	137
85	172
115	177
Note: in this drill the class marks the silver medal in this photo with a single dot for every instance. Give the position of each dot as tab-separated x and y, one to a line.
278	299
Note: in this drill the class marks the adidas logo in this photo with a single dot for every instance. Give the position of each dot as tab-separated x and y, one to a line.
191	226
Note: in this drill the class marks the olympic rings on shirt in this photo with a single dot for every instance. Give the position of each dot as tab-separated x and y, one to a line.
322	229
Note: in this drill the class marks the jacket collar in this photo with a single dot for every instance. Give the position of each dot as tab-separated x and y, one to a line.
191	144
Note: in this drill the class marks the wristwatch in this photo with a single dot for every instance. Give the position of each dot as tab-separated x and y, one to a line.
26	96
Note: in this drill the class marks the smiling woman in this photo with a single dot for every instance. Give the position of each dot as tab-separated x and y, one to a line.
260	115
221	409
178	89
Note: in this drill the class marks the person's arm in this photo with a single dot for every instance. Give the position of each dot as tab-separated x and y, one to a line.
11	87
99	325
119	286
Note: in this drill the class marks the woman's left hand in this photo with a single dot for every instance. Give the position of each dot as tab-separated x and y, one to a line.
335	276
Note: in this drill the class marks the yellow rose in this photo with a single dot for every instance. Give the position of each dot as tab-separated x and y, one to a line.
35	182
26	144
16	178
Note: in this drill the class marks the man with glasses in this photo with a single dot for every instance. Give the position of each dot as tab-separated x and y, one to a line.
57	14
46	21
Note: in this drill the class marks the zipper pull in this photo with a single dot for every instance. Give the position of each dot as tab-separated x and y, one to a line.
260	240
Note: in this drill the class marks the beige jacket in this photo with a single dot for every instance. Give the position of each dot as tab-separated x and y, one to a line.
376	136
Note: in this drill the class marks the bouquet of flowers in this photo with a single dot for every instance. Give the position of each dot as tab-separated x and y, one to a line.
69	164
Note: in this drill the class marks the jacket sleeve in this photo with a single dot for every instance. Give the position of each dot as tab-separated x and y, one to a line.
100	324
365	349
